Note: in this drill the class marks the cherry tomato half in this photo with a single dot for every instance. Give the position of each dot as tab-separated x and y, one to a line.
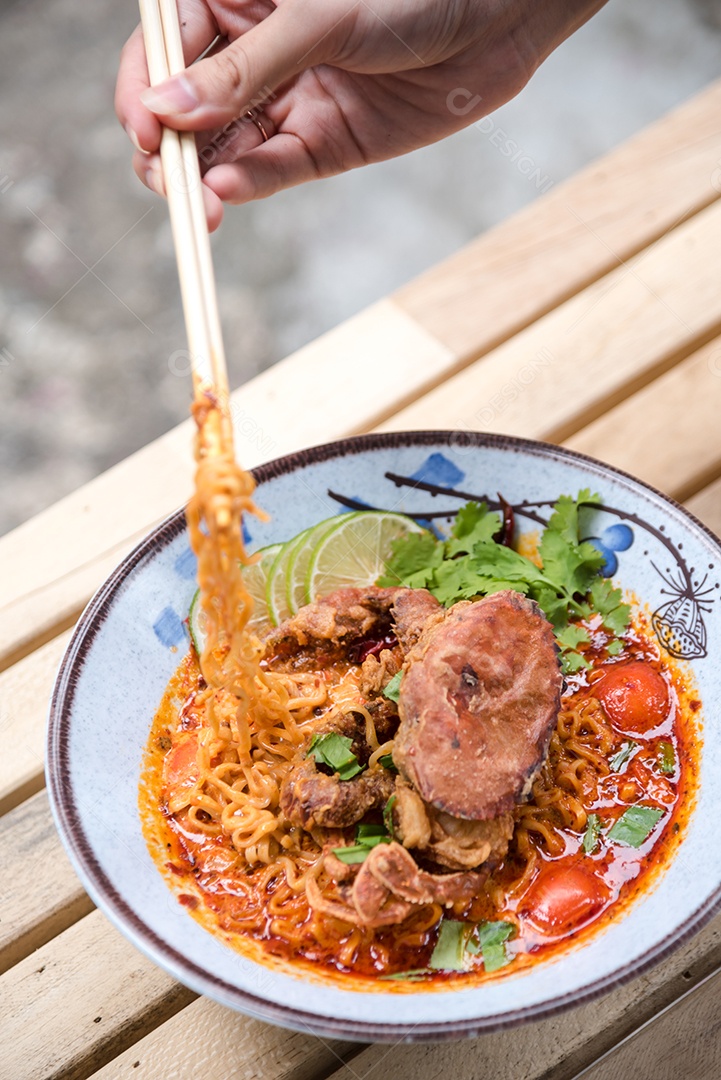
561	899
634	696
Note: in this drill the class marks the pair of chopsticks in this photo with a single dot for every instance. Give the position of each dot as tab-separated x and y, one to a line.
164	49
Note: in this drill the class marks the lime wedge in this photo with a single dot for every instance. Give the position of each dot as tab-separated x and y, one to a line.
255	576
295	586
355	551
275	589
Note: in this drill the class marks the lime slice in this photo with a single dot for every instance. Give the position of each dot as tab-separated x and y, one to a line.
295	586
275	589
254	576
355	551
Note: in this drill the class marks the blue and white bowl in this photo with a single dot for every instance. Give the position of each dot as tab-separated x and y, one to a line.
133	634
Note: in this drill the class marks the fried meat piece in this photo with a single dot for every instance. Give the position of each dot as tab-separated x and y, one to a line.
478	703
350	615
453	842
310	798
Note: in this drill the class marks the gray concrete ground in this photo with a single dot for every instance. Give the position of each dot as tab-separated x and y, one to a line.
89	307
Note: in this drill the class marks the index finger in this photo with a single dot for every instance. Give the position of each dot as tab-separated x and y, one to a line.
140	124
199	30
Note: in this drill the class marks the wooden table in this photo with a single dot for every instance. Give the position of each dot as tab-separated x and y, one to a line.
592	318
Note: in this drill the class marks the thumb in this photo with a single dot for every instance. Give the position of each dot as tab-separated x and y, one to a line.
220	88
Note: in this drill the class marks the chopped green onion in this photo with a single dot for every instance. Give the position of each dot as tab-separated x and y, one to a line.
387	762
592	833
335	751
449	953
393	689
414	975
666	758
622	756
355	853
388	815
370	834
635	825
490	941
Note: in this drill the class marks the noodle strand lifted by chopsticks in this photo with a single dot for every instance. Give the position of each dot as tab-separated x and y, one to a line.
251	715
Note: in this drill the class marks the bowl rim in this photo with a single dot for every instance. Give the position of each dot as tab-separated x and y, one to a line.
111	902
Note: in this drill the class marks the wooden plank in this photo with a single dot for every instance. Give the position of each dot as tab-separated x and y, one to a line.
370	366
683	1040
557	1047
593	351
207	1039
327	390
24	695
707	506
666	433
79	1001
579	231
41	895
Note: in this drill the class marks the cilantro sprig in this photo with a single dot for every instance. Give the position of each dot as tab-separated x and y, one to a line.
566	585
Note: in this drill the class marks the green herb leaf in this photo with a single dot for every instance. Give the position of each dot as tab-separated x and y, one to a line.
393	690
450	949
607	602
353	853
470	564
571	636
414	975
592	833
370	835
413	560
388	815
386	760
635	825
614	647
367	837
571	662
335	751
474	522
666	758
489	939
622	756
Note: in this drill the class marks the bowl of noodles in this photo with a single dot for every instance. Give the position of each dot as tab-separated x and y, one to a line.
468	782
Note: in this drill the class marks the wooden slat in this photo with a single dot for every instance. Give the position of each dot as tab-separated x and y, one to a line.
41	895
24	695
593	351
556	1048
683	1041
80	1000
369	367
577	232
707	506
667	433
207	1040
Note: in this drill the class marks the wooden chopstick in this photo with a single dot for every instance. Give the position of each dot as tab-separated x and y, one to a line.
163	45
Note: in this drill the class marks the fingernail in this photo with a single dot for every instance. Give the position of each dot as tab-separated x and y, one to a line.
134	139
171	97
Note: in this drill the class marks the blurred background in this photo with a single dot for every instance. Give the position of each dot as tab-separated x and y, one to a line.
89	308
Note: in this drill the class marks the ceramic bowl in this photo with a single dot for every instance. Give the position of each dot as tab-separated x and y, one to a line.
133	634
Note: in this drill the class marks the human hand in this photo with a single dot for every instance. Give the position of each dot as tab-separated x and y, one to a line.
334	84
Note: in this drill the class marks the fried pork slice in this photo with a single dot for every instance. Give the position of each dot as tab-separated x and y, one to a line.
453	842
350	615
478	703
